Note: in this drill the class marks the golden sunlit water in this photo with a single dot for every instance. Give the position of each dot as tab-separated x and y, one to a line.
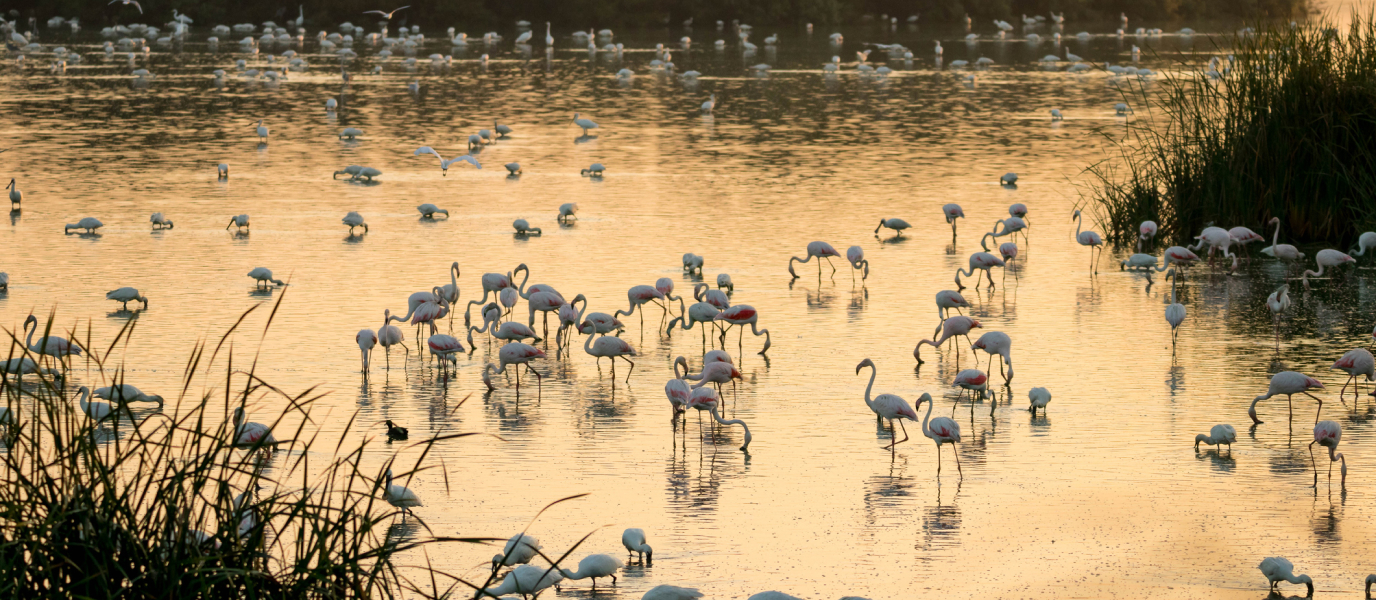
1103	496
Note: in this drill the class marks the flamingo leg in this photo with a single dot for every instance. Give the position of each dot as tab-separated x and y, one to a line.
1316	464
956	452
1316	415
632	369
905	432
539	381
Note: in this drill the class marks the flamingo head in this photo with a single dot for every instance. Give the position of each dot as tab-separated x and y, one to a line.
1310	382
974	323
864	363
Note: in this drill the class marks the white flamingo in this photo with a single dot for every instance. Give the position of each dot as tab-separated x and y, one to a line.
952	212
979	261
610	347
390	335
250	433
1328	434
949	328
1175	313
887	406
1326	259
819	250
1288	383
941	430
1218	436
515	353
1283	252
1278	302
1089	238
366	340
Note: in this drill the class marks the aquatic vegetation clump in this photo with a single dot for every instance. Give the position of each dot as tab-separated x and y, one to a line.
1281	127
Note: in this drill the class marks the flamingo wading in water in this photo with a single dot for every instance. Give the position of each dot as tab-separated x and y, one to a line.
1288	383
942	430
1328	434
951	327
887	406
1088	238
819	250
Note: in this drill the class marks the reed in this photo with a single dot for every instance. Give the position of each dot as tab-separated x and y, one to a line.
1283	130
142	505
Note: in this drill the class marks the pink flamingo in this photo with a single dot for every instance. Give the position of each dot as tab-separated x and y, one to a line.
548	302
716	297
701	312
952	212
1007	250
717	356
972	380
1328	434
742	315
1243	236
887	406
1327	258
515	353
1011	225
444	347
250	434
951	327
494	283
996	342
946	300
600	323
1288	383
366	340
678	393
1019	210
666	287
855	255
433	309
1147	231
569	317
1357	361
1088	238
510	331
1216	238
639	295
450	290
706	399
610	347
983	261
389	335
715	373
820	250
942	431
1284	252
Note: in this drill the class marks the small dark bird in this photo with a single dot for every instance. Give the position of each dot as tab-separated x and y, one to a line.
394	432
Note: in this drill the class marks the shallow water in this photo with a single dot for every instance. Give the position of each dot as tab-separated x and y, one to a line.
1103	495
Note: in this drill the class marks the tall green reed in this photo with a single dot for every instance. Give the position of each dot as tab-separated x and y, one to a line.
1283	130
142	505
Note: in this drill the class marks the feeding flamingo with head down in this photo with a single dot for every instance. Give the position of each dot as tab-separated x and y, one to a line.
708	400
996	343
1357	361
638	296
946	300
855	255
493	283
716	298
610	347
515	353
1326	259
443	348
1288	383
742	315
366	340
979	261
820	251
508	331
1328	434
715	373
700	312
951	327
952	212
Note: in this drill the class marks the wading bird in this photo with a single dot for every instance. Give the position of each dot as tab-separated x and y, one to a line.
887	406
1288	383
159	221
1283	252
445	164
633	539
1218	436
586	124
897	225
1278	302
1326	259
519	550
951	327
742	315
1088	238
1175	313
610	347
399	496
366	340
515	353
597	565
952	212
942	430
1038	397
125	295
1357	361
982	261
1328	434
1277	569
353	219
250	433
819	250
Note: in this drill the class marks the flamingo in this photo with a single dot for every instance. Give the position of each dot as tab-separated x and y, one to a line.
633	539
1180	255
250	433
677	391
898	225
942	430
594	566
692	263
99	411
1218	436
820	250
952	326
1288	383
125	394
125	295
239	222
724	281
996	342
1147	231
887	406
1284	252
639	295
1278	302
1011	225
1357	361
979	261
431	308
366	340
508	331
952	212
1088	238
1175	313
855	255
715	373
523	227
262	132
1328	434
1019	210
547	302
1277	569
450	291
610	347
444	347
567	211
263	277
1215	238
1366	242
399	496
1242	236
1327	258
742	315
716	297
701	312
389	335
1039	397
586	124
519	550
515	353
494	283
159	221
947	300
49	345
972	380
706	399
600	323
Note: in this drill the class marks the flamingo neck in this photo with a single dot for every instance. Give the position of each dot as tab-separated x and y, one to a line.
1275	236
874	372
926	430
1077	225
587	344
